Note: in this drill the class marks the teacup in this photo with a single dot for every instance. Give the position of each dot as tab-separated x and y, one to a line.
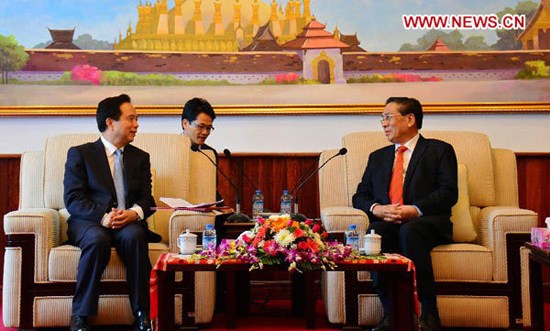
372	243
187	242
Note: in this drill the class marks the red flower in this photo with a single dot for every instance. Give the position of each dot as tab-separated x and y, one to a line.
316	228
299	233
309	245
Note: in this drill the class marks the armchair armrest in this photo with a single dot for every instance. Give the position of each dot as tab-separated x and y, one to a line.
495	223
43	223
337	220
180	220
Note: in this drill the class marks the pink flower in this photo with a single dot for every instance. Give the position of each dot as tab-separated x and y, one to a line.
270	247
287	78
246	239
86	73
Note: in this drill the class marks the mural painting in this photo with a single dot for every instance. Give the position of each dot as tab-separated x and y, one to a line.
242	54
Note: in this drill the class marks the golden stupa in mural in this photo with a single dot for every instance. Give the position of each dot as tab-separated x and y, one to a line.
212	25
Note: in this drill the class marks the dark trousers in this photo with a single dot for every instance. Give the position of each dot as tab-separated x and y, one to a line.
414	239
131	245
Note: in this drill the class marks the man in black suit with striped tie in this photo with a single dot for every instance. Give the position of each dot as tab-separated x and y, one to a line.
107	191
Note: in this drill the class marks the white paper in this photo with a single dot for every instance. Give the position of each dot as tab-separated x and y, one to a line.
175	202
180	203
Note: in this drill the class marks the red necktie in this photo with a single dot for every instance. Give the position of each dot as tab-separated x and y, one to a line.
396	184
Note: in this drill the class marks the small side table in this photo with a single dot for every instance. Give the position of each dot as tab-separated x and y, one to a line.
538	258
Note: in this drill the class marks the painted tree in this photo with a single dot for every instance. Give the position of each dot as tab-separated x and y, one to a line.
12	56
508	39
453	40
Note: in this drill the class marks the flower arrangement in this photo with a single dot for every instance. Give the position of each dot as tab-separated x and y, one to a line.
280	239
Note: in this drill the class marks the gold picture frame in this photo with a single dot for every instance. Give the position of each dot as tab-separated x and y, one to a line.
283	109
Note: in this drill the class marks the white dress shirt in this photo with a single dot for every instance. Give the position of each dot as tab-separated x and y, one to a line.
110	150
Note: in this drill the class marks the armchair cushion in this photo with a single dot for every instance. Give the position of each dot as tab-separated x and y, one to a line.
338	219
63	263
462	262
463	228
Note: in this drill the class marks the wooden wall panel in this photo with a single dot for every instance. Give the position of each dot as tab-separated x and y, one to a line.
271	173
9	195
534	183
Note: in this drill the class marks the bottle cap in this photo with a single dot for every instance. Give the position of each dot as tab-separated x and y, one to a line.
352	226
258	191
209	226
285	191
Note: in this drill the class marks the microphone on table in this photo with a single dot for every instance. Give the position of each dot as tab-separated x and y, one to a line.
296	189
238	216
229	156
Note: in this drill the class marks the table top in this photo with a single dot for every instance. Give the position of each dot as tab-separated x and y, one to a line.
537	250
178	262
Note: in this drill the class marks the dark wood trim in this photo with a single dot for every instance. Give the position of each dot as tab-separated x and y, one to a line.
533	154
10	156
9	195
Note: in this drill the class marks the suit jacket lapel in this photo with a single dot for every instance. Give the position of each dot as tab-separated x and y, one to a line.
419	150
103	167
127	162
389	158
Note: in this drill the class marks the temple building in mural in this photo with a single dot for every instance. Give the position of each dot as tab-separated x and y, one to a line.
537	33
212	25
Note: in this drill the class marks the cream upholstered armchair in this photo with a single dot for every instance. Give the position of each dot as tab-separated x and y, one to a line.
40	270
477	276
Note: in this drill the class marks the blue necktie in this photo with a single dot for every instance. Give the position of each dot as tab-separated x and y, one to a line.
118	178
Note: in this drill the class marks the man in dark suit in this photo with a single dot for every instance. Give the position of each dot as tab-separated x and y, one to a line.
107	191
408	190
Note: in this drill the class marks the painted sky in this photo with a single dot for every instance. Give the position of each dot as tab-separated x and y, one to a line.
377	23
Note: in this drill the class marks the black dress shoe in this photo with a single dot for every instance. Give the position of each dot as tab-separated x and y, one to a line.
430	322
383	326
79	323
142	321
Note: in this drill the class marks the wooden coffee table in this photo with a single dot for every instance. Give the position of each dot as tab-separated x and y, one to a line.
403	302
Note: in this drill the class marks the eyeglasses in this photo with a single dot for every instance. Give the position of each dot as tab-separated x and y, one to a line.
202	127
388	117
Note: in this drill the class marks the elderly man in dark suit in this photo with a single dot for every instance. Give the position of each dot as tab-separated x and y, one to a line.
108	194
408	190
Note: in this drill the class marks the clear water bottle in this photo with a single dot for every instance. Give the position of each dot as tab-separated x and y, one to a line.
257	204
352	237
286	203
209	237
